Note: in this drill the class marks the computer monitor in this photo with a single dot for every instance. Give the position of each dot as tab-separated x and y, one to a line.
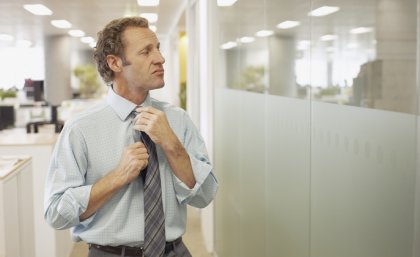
38	90
7	116
34	89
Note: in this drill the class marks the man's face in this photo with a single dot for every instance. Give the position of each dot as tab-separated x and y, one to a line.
143	66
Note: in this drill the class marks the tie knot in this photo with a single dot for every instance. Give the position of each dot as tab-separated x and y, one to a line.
134	112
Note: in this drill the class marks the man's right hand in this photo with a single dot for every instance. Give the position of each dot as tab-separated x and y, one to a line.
133	160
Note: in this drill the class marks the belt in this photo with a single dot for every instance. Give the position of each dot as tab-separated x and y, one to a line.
133	251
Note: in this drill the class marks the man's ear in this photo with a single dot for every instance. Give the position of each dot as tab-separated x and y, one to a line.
114	63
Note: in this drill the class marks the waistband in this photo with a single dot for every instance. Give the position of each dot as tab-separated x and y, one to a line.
133	251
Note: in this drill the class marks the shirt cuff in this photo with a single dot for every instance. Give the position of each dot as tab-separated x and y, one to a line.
201	171
74	202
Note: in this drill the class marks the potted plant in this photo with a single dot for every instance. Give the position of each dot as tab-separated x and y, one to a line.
88	80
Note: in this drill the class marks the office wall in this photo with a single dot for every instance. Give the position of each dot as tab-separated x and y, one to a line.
315	136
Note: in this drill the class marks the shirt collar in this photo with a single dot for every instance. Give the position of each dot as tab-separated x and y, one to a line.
122	106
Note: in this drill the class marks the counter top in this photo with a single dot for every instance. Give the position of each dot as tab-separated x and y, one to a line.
18	136
11	165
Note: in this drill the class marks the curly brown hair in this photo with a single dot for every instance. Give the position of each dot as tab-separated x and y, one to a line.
110	42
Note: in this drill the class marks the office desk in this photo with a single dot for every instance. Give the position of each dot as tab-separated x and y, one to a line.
16	208
48	242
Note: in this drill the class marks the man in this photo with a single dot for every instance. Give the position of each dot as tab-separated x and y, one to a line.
98	178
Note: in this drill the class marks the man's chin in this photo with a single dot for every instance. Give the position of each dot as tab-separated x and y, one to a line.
158	86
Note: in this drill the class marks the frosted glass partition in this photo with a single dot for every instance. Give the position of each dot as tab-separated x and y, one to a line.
262	159
241	209
316	129
362	182
301	178
287	177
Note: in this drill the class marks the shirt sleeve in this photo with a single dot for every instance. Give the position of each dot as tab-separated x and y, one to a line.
66	195
206	185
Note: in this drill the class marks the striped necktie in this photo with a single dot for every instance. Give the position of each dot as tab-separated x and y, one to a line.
154	219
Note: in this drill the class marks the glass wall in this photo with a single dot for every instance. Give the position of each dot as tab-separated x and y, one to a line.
316	129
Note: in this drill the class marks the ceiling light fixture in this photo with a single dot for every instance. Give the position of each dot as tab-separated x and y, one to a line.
148	2
360	30
328	37
229	45
246	40
323	11
264	33
288	24
150	16
37	9
87	40
224	3
76	33
61	24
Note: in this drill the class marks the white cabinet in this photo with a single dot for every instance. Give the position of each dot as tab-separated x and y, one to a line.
16	211
48	241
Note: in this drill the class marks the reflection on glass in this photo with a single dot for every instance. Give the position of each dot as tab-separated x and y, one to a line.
360	54
300	177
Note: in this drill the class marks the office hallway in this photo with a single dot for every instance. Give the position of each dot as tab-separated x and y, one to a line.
192	238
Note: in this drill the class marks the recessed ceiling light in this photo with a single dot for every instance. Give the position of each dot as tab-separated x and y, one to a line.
76	33
264	33
288	24
61	24
229	45
246	40
323	11
360	30
148	2
37	9
87	40
6	37
151	17
226	2
329	37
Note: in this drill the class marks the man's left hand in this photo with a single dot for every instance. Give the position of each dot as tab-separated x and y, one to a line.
155	124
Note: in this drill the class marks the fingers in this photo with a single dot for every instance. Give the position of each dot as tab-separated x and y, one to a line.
146	121
136	146
148	109
154	123
133	160
146	117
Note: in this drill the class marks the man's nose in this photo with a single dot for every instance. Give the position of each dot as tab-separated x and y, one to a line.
159	57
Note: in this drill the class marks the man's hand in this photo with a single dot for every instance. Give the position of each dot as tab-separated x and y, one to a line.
133	160
155	124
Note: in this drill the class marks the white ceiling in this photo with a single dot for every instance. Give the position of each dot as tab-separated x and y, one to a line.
87	15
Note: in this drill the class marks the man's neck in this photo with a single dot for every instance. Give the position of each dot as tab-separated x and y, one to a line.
134	95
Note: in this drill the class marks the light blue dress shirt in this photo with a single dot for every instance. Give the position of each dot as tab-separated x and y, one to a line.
91	145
